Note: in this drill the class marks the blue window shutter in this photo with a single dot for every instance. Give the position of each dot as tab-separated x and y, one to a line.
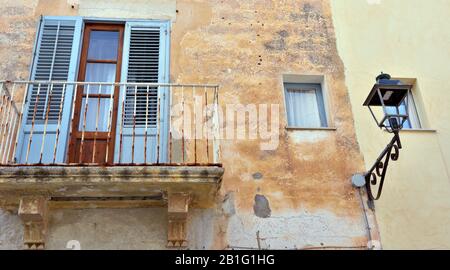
56	59
145	60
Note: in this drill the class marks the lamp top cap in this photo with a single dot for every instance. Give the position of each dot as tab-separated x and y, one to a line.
383	76
386	79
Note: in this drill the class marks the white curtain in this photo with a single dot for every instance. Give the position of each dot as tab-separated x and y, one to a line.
95	117
302	108
103	45
100	72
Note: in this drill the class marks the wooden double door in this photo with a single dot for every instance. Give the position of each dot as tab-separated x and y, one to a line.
95	112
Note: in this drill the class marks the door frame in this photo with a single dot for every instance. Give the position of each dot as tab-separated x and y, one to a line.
88	27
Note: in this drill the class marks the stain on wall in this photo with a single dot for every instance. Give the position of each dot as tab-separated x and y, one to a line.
261	207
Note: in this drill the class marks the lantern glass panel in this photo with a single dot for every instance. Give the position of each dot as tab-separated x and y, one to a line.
401	110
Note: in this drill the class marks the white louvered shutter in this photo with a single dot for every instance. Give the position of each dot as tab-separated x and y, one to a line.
55	59
144	61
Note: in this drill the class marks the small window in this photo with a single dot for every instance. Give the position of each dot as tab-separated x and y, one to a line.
413	122
305	105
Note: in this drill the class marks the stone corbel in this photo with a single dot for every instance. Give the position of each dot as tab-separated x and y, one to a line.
34	214
178	206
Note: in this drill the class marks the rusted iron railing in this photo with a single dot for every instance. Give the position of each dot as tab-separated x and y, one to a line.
45	122
9	122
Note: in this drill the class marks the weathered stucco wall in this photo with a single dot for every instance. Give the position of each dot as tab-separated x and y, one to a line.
11	231
306	182
110	229
296	195
124	228
408	39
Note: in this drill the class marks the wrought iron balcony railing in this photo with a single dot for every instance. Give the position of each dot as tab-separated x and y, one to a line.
101	123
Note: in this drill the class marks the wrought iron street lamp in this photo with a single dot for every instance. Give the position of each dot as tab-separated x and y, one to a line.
388	103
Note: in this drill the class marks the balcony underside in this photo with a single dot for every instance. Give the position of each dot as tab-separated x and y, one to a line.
109	187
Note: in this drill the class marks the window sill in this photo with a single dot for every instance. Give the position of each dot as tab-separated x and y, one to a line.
311	129
417	130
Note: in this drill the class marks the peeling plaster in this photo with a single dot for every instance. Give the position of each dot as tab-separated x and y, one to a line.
293	230
11	231
305	136
111	228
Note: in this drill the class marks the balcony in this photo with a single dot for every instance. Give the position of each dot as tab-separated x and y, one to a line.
82	144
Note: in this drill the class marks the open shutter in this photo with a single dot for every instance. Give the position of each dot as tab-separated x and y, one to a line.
145	60
45	127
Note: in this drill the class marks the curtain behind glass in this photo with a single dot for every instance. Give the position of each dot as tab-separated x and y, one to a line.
303	109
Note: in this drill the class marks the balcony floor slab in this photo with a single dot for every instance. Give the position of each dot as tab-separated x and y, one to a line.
109	187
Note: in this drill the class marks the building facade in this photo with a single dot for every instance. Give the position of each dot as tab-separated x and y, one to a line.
408	40
154	124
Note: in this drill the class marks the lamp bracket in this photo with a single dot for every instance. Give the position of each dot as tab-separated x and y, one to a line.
377	173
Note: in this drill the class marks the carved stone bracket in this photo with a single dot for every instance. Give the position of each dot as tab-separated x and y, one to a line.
34	214
178	206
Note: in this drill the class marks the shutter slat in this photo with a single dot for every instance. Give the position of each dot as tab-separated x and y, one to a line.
55	59
143	67
53	62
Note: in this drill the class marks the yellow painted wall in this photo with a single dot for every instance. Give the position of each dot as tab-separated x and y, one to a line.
408	39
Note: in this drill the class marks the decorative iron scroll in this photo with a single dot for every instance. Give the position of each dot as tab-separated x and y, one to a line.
379	169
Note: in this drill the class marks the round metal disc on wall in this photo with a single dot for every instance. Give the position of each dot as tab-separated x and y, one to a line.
358	180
